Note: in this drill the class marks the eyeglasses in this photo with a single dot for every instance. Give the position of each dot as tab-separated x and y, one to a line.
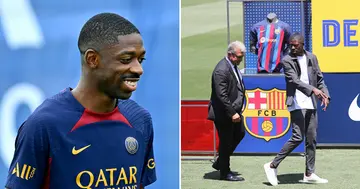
241	56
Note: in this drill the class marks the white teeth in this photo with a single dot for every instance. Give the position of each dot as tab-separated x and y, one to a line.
131	83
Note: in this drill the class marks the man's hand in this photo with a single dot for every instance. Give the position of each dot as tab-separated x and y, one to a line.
323	97
320	94
325	102
236	118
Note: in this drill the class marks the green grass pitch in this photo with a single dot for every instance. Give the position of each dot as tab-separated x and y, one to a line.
340	167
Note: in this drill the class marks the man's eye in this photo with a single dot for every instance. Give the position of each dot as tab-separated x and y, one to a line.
141	60
125	60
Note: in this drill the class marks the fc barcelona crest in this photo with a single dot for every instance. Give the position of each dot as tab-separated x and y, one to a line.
277	31
266	115
131	145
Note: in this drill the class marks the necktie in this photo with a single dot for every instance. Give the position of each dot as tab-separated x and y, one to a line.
237	73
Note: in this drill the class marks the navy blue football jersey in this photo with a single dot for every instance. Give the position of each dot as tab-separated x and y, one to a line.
64	145
271	41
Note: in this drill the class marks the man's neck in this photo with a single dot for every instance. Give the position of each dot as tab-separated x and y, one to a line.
93	100
301	54
296	55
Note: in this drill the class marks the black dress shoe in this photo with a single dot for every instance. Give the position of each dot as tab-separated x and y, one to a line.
231	177
216	166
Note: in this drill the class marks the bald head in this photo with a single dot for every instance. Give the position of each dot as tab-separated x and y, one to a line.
298	37
296	43
236	51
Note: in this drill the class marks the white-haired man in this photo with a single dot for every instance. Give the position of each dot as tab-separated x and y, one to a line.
225	107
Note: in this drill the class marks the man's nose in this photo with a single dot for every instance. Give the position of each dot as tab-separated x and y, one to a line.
136	68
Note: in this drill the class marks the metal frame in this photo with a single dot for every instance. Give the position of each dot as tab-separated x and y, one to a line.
338	146
241	1
228	31
214	152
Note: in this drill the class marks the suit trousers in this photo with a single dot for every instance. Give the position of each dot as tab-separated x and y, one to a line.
230	135
304	124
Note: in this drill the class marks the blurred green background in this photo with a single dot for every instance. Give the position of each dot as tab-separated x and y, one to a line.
204	42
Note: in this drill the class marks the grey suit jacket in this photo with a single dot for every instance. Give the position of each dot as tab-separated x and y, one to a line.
227	94
293	82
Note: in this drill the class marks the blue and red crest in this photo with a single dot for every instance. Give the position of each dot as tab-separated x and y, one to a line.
266	115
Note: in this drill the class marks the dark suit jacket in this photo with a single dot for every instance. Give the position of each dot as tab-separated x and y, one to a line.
227	94
292	76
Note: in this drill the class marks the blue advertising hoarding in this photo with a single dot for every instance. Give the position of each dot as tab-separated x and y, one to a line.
340	123
38	47
268	126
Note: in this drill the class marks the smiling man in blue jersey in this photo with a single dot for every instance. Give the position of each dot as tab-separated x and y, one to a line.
85	137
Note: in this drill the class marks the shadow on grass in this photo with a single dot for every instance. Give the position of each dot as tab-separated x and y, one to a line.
215	175
291	178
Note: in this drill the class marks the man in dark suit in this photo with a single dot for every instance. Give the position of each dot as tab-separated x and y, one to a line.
225	107
304	83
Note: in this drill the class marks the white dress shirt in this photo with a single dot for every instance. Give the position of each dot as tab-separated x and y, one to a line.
301	101
232	67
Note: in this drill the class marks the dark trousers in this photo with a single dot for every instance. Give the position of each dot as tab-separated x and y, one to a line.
304	124
230	135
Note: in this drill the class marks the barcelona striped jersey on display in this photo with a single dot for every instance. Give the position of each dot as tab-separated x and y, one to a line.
271	41
63	145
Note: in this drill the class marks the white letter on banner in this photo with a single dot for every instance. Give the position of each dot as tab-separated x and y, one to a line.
21	93
20	25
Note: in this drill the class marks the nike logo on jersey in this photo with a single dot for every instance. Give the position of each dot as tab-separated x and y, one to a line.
354	110
76	152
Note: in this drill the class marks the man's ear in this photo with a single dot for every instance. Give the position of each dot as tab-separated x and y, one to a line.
92	58
229	54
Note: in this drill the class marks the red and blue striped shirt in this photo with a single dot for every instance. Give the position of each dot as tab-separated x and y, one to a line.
271	41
